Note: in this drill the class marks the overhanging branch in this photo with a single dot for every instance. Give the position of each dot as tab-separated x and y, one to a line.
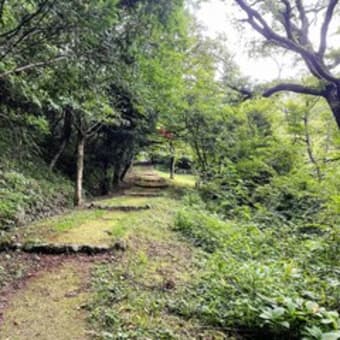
284	87
293	88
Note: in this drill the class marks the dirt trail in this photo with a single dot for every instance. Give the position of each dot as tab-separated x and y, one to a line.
50	305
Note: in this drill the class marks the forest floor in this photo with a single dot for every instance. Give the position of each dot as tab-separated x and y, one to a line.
123	294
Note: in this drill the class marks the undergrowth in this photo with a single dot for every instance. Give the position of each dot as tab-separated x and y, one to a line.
30	192
277	283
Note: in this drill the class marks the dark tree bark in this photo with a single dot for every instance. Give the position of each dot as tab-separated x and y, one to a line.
172	167
116	175
333	99
125	170
172	161
106	183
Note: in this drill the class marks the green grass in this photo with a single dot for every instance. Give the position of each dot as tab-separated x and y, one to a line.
49	229
125	201
180	180
93	226
74	219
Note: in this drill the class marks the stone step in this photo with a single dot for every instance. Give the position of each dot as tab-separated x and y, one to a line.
125	208
59	249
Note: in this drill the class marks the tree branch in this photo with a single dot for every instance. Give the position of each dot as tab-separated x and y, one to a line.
92	130
2	5
325	26
332	160
293	88
257	21
31	66
24	21
246	93
287	24
304	22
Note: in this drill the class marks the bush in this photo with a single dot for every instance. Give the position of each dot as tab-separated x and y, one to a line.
296	197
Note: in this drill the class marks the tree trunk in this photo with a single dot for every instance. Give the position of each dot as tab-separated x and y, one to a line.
172	167
106	183
172	160
125	170
78	197
116	176
310	148
67	129
333	99
58	154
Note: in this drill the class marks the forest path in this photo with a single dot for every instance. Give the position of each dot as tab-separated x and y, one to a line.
70	299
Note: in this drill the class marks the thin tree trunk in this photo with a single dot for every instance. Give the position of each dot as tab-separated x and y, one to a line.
116	176
78	197
106	184
67	129
172	167
310	148
125	170
172	161
58	154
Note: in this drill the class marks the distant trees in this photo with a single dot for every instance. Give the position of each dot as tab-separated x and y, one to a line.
288	24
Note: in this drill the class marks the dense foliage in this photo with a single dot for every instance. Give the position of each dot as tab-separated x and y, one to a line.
79	76
274	282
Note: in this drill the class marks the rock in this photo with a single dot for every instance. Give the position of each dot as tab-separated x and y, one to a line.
75	248
119	208
37	258
72	294
58	249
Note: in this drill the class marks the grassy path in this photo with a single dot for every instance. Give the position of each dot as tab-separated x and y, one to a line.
50	306
125	296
